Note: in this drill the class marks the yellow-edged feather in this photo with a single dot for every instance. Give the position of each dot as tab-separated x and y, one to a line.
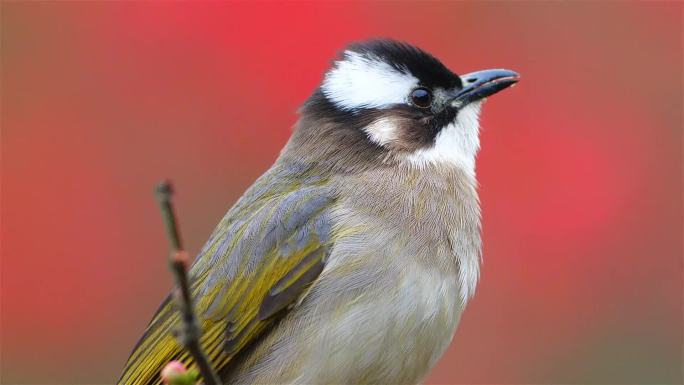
228	304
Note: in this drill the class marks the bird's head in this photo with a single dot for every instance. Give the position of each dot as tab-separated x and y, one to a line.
389	100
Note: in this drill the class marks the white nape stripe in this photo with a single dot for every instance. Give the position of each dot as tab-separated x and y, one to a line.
382	131
359	81
457	143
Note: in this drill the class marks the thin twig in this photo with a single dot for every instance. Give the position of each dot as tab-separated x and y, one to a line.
190	332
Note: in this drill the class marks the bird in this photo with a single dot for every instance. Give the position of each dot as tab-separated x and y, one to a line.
352	259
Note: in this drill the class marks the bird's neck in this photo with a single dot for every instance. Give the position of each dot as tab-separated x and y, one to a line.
339	149
331	147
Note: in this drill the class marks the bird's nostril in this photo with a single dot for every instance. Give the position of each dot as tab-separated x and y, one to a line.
471	80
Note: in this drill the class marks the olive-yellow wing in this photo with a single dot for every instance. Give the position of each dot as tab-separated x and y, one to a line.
260	259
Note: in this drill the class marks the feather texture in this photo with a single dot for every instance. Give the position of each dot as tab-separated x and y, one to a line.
262	256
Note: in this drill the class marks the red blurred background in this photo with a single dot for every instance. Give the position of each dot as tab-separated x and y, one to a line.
580	171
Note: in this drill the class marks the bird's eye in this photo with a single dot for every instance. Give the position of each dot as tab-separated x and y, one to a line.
421	97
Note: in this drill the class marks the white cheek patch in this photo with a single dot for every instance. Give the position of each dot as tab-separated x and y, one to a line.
456	144
359	81
382	131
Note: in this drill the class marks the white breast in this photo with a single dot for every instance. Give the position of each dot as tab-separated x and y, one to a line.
390	296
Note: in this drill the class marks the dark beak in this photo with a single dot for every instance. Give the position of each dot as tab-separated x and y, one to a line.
480	84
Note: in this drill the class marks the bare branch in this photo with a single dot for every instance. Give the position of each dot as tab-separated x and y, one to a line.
190	332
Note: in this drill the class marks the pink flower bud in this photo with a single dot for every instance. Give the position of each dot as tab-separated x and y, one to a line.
172	371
